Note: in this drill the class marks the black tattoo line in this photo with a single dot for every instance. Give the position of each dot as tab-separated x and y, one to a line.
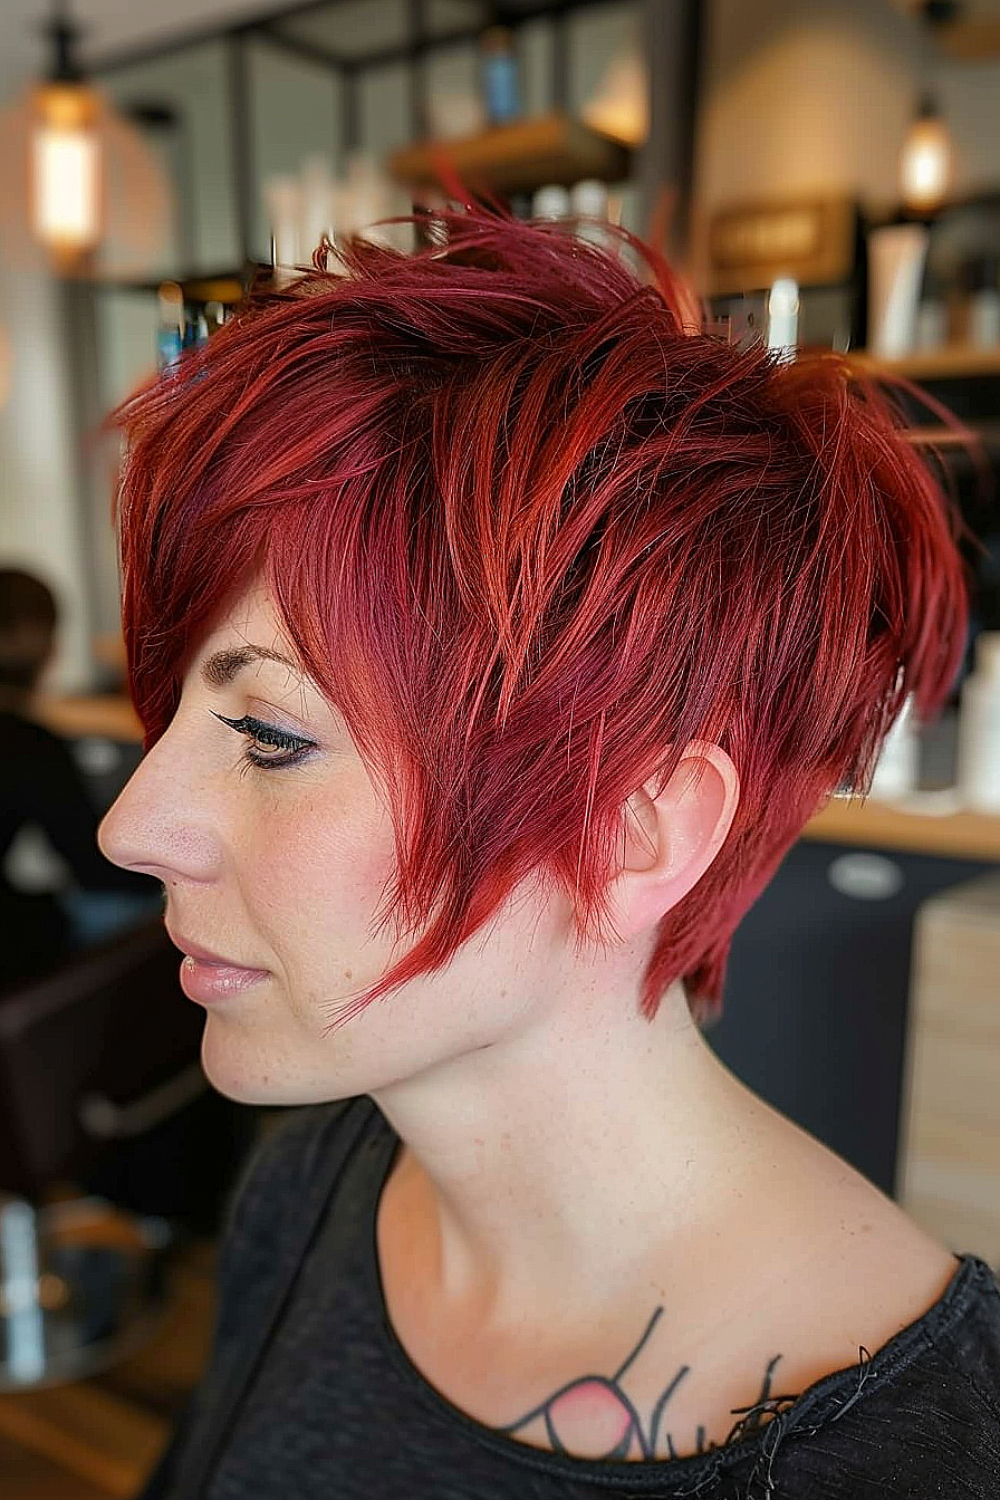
751	1421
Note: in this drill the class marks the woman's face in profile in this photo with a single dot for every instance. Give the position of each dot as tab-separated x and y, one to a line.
276	859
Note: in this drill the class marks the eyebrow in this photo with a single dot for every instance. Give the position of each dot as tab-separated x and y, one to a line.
223	666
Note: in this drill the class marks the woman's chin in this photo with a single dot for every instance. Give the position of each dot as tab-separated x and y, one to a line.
233	1073
247	1075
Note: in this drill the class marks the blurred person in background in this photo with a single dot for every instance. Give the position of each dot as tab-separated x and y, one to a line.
43	786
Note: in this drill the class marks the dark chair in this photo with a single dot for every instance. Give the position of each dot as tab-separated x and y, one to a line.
102	1093
101	1084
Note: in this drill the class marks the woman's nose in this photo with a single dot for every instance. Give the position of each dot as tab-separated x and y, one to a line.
159	824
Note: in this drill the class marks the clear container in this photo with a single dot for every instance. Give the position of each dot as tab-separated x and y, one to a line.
589	201
898	766
978	775
82	1285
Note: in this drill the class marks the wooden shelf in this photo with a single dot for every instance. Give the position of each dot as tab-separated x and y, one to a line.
227	286
518	157
951	362
884	825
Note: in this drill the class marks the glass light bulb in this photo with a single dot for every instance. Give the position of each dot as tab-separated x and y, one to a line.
925	168
65	171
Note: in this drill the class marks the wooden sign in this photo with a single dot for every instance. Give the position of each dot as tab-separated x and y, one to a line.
810	239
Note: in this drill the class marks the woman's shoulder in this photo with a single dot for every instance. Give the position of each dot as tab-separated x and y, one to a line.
919	1415
846	1299
839	1316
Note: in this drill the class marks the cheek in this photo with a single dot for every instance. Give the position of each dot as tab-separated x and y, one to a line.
319	877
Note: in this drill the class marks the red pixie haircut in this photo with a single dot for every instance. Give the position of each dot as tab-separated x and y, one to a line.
531	530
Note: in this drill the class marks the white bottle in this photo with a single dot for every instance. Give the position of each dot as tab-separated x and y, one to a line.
897	767
978	773
984	317
551	202
315	203
932	324
283	198
896	255
589	200
783	317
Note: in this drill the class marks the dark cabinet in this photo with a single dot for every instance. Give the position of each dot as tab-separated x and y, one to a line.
816	995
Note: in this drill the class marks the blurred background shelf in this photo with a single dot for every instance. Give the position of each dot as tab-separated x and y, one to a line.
951	362
518	157
106	715
957	835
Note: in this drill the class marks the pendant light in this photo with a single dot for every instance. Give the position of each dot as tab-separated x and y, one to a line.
925	168
79	185
66	213
926	161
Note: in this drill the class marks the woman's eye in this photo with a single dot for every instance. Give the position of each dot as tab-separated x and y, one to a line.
282	749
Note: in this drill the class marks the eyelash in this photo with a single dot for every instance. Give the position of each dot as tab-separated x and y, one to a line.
255	729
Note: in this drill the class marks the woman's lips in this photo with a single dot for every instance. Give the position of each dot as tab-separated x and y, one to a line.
206	982
206	976
203	955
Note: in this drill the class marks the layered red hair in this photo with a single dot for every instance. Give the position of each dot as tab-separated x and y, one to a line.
531	530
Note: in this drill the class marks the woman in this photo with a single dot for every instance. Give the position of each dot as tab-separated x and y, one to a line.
479	590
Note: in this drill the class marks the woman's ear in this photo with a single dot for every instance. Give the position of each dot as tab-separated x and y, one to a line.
670	839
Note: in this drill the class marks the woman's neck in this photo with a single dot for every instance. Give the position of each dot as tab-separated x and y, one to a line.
556	1164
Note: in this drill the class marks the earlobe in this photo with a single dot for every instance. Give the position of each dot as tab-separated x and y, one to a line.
672	837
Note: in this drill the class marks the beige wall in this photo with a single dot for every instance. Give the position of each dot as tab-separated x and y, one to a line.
808	94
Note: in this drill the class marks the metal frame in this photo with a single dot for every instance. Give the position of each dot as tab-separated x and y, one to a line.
671	43
268	28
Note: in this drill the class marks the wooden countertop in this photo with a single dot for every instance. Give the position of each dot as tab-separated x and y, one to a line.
106	715
927	823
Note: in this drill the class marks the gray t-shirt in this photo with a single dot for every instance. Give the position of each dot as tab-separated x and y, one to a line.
308	1394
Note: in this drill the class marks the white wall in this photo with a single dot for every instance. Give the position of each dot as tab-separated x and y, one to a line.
801	95
39	516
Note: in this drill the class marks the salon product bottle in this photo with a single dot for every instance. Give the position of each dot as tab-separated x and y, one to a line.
215	316
170	331
896	256
896	770
983	305
589	200
315	203
978	772
783	317
195	328
932	314
551	202
501	88
282	197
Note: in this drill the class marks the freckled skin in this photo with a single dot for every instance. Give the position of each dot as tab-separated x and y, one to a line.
286	870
